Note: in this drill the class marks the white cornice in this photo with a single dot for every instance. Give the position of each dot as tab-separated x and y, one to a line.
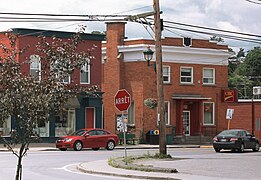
176	54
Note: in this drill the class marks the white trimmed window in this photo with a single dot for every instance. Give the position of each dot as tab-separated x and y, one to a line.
85	74
208	113
167	112
166	74
131	115
35	67
66	79
186	75
208	76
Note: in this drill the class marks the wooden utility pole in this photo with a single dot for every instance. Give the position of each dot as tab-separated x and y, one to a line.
160	92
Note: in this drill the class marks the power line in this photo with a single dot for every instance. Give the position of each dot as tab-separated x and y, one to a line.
253	2
214	29
257	41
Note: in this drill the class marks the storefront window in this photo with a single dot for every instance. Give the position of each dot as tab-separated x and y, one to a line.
5	126
208	113
65	123
42	129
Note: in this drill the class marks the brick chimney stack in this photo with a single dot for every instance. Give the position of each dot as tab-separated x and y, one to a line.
113	67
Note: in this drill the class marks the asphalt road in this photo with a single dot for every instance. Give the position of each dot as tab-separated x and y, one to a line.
58	165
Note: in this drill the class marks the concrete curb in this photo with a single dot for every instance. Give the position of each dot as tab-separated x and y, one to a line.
83	169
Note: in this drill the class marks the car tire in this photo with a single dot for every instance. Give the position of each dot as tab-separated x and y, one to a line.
62	149
110	145
95	149
77	146
217	149
257	146
241	148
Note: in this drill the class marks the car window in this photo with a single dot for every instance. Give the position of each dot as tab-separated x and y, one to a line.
241	133
79	132
229	133
101	132
92	133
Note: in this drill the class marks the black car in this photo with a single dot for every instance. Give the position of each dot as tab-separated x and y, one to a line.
236	140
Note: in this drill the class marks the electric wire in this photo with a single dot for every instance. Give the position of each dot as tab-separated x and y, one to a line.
253	2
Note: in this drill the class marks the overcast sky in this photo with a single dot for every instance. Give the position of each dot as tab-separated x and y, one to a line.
233	15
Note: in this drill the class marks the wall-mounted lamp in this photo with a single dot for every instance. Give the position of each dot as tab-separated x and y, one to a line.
148	54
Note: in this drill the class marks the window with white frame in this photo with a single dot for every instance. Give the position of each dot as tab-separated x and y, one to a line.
59	74
85	74
65	123
208	76
166	74
131	115
35	67
208	113
186	75
167	112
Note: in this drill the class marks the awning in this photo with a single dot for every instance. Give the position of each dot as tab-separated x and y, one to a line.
189	97
72	102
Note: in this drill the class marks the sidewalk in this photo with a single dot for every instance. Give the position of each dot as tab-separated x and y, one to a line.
51	146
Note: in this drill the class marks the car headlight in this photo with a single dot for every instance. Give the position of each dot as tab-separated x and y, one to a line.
67	139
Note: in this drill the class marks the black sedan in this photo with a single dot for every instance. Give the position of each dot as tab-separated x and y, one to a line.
235	140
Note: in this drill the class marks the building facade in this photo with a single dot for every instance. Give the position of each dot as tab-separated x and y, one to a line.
246	115
194	71
83	111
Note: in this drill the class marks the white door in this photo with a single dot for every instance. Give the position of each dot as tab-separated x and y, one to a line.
186	122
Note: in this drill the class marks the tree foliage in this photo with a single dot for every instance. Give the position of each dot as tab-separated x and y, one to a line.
30	101
244	71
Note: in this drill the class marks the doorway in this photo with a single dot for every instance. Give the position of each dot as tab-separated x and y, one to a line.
90	117
186	123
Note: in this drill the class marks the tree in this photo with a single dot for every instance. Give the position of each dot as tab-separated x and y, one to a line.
216	38
252	65
30	101
244	71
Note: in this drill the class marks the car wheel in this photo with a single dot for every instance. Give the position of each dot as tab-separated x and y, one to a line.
110	145
62	149
256	147
242	148
77	146
217	149
95	149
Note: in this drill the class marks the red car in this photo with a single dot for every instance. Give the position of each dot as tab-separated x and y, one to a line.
94	138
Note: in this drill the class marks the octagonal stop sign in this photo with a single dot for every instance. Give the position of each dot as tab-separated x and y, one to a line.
122	100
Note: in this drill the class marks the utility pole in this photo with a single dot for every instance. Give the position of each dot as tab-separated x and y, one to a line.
160	92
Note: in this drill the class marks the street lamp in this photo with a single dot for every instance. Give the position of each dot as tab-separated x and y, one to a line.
148	54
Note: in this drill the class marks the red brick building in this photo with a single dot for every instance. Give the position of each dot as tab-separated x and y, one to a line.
81	112
247	115
194	76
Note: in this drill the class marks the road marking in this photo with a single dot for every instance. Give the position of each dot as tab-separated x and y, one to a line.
72	166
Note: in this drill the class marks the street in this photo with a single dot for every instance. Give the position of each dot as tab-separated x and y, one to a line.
58	165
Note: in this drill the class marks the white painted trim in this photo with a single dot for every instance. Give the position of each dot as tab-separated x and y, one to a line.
176	54
213	115
186	111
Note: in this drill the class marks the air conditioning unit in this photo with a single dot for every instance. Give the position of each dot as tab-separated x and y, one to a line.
256	90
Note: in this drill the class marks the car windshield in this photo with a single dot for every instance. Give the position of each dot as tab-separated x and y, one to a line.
229	133
79	132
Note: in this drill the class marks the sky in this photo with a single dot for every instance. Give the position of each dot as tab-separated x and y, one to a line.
232	15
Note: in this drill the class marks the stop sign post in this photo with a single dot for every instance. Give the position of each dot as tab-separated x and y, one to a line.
122	100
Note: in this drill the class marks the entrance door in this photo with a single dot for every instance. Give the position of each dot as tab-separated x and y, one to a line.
89	117
186	123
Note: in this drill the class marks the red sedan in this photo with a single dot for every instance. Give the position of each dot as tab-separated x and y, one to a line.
94	138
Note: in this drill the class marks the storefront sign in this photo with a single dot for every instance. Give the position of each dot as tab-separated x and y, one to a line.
229	95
